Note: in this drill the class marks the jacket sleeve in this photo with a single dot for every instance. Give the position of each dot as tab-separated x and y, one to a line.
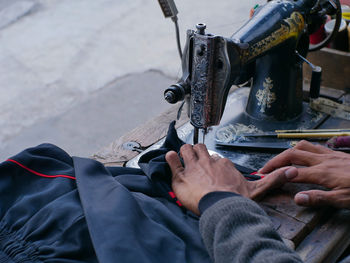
236	229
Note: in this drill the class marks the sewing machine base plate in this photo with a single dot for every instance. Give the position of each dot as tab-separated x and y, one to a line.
236	118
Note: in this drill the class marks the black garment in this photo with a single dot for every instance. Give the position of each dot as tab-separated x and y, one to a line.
55	208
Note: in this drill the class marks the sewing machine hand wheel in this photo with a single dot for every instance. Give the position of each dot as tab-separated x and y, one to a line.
338	17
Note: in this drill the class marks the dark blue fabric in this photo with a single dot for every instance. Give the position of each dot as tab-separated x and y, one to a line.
135	225
94	214
155	166
41	219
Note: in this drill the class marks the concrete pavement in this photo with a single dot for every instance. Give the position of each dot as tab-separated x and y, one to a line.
60	58
104	116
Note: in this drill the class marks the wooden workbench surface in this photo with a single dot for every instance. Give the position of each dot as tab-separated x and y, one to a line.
318	235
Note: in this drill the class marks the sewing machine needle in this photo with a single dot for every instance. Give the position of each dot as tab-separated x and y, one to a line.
205	131
195	135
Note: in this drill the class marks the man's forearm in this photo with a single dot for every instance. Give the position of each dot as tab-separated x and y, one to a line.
236	229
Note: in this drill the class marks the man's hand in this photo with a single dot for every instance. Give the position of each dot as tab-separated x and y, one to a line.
321	166
203	174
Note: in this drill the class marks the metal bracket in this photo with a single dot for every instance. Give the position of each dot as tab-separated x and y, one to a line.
133	146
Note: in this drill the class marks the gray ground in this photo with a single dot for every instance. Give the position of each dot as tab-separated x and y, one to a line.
81	73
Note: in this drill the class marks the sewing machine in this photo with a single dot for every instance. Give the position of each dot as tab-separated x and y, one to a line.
268	52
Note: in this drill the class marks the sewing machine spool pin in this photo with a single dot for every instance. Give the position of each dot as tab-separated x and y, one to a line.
316	77
201	28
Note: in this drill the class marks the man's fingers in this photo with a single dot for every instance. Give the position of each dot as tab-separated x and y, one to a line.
188	154
201	151
289	157
215	157
336	198
314	175
304	153
174	162
273	180
310	147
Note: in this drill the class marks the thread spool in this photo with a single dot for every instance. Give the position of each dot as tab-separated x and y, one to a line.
318	36
341	40
349	35
345	9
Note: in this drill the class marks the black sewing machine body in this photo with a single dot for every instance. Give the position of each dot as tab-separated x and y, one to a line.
265	52
263	49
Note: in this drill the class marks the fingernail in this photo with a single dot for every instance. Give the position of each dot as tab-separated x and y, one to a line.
291	173
302	199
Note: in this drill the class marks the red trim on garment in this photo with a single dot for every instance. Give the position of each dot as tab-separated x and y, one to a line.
178	203
256	173
172	194
40	174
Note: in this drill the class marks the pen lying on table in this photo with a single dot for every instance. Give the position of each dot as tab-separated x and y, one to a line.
313	130
301	134
270	146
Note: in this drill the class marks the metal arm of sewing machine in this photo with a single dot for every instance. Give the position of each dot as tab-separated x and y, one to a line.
263	51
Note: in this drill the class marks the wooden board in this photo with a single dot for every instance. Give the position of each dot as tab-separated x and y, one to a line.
288	227
295	222
324	92
335	66
146	135
328	240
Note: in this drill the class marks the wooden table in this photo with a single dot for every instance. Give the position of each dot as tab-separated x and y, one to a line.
318	235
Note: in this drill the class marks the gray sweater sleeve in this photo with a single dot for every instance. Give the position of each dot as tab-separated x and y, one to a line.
236	229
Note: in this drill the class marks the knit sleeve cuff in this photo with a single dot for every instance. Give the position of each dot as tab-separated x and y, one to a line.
211	198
